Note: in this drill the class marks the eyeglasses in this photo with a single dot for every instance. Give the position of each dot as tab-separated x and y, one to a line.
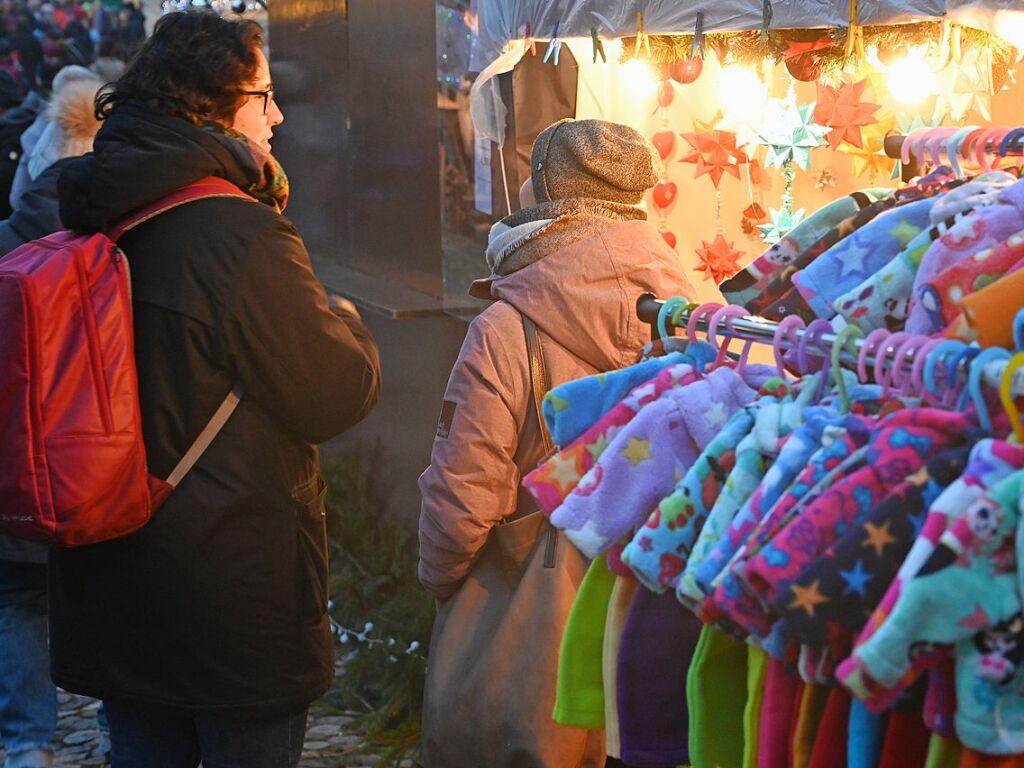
268	96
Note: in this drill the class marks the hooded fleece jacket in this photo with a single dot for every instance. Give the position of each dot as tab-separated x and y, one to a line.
488	436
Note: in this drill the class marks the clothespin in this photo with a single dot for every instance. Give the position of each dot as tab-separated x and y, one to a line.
598	46
854	34
698	36
766	20
554	46
529	44
643	40
595	36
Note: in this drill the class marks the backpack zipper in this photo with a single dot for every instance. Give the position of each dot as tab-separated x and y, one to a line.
92	340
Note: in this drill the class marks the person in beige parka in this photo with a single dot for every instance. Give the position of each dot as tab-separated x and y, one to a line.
574	262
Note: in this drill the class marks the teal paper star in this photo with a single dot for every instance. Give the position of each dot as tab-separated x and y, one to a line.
782	223
790	134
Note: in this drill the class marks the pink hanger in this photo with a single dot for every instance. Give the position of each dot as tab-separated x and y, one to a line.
786	331
891	344
906	355
703	312
725	313
871	343
958	145
812	337
917	372
989	160
937	141
909	142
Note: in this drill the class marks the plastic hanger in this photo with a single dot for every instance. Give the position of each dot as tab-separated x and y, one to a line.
1008	140
937	141
845	339
903	364
1018	330
935	358
725	313
671	306
988	160
953	372
958	145
884	373
703	312
812	337
906	151
1006	395
785	332
917	371
975	370
871	343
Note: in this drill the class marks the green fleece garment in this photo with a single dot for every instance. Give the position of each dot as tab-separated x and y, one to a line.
943	753
757	669
718	671
579	691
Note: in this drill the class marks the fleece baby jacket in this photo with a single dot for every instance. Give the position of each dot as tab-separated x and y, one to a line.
981	191
757	674
943	296
830	746
990	462
853	574
749	282
645	460
985	228
658	552
572	408
555	478
716	694
865	736
847	264
976	557
898	446
579	692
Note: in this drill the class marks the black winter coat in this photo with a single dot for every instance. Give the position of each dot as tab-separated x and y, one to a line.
220	602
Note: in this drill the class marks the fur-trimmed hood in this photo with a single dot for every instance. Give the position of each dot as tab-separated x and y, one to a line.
73	124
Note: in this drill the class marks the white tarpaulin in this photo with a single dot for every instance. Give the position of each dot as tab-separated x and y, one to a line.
502	22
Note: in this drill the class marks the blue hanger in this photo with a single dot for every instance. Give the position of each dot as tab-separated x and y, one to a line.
935	357
671	305
977	367
1018	330
1015	135
953	368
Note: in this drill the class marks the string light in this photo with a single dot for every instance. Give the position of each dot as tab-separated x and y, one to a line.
639	78
741	94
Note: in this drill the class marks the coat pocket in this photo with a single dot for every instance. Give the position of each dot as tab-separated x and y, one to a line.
311	551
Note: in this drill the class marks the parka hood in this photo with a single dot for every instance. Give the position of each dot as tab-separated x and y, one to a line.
583	295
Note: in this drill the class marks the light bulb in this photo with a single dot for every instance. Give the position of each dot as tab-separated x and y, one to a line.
741	94
639	78
911	80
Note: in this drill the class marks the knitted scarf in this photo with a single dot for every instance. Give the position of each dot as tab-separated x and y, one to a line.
272	187
529	234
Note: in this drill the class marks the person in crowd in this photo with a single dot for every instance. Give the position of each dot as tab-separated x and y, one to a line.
574	259
28	699
206	633
27	46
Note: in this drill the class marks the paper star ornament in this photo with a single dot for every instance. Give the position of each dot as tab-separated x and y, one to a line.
871	158
718	259
842	110
790	133
715	154
965	86
782	223
824	179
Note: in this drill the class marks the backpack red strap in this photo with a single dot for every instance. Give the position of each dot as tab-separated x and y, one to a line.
211	186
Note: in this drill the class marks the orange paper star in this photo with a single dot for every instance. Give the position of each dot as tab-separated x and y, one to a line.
718	259
843	111
715	154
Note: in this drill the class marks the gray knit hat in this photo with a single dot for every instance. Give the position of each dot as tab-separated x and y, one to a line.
595	159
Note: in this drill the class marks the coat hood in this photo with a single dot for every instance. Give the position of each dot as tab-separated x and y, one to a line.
583	295
140	156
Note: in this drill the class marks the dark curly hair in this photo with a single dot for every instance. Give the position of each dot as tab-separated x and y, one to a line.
192	67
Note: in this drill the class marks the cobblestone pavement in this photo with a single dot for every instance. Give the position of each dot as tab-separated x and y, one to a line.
332	740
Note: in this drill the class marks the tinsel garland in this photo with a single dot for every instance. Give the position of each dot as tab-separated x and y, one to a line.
747	48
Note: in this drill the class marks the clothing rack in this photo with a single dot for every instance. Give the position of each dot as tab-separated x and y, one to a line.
760	330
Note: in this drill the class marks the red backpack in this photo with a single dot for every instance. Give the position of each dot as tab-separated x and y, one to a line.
73	468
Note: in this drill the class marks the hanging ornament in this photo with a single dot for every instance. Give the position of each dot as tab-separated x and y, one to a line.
965	85
686	71
665	143
669	237
719	260
790	133
714	153
842	110
782	223
753	215
666	93
824	179
806	68
871	158
664	194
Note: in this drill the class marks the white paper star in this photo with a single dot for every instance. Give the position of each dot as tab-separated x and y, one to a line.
782	223
965	85
790	133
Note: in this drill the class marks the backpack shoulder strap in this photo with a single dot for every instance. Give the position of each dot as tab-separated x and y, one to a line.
211	186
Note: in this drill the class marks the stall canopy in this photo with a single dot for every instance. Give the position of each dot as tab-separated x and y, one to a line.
504	24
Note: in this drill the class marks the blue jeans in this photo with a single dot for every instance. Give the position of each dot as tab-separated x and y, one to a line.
28	699
151	737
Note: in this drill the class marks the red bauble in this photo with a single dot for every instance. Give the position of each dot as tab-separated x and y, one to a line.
665	143
665	194
665	94
685	71
669	237
806	67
